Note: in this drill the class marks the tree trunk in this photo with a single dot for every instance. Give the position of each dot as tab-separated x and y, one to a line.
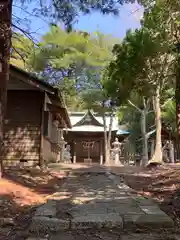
5	45
171	152
144	138
143	113
110	131
177	96
157	157
106	152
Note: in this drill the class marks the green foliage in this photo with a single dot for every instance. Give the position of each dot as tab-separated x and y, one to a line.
69	11
169	110
70	53
93	99
143	61
73	61
169	115
129	69
22	51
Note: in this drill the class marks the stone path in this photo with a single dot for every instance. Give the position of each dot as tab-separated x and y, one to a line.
94	199
104	235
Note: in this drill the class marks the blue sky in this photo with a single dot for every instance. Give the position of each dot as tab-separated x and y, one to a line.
116	26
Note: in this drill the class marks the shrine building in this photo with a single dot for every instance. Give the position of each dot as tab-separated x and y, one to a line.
86	137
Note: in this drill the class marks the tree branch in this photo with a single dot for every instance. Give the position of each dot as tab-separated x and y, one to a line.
132	104
21	56
150	112
144	103
167	102
28	35
150	133
30	14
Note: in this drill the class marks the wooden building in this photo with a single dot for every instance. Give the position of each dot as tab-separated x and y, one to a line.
86	137
35	118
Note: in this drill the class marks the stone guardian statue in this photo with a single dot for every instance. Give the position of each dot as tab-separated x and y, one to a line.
116	150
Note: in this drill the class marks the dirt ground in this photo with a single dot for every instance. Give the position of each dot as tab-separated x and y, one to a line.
21	191
162	184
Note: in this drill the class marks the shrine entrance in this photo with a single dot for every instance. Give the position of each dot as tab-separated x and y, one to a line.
87	148
86	138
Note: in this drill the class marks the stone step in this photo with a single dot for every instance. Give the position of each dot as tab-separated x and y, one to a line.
107	203
151	236
108	221
106	236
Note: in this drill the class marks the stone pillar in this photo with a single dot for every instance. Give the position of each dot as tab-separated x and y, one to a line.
101	152
74	154
61	144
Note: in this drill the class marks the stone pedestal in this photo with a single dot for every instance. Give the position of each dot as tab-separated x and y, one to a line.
116	161
87	160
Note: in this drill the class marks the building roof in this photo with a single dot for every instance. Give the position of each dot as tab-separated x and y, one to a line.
45	87
122	132
34	80
91	122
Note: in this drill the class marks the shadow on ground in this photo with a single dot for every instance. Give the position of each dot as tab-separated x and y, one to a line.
21	192
163	185
88	194
14	218
39	181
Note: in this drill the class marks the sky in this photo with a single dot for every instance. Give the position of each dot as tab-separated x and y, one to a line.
129	18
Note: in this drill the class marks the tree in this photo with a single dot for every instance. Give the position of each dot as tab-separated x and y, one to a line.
5	45
142	63
138	115
78	59
66	11
169	115
169	111
168	15
143	107
72	61
96	100
22	51
71	55
73	100
69	11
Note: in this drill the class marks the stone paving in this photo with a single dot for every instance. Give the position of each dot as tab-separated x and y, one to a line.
96	199
104	235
